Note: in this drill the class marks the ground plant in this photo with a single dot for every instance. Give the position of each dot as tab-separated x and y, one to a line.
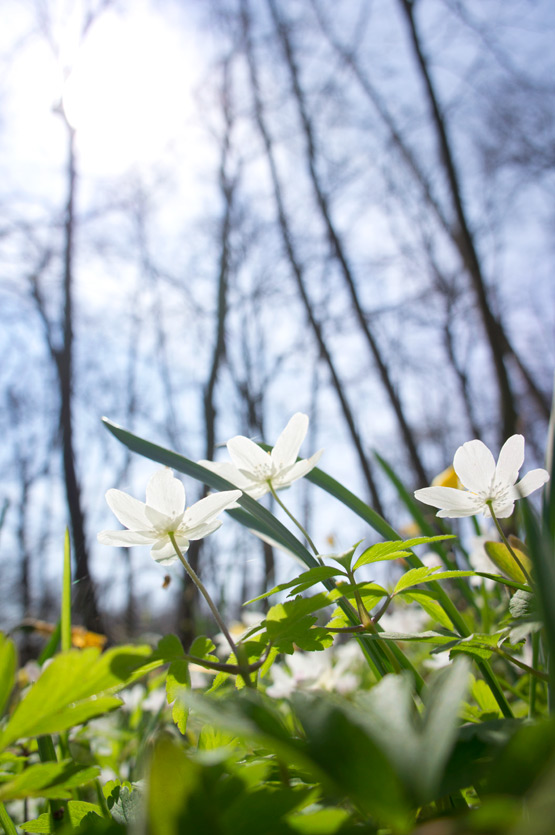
341	704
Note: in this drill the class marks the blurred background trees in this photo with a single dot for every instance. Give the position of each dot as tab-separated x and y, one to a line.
349	213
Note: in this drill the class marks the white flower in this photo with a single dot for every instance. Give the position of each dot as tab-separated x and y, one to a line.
254	470
164	513
485	481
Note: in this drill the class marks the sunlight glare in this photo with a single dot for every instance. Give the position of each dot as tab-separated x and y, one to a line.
130	91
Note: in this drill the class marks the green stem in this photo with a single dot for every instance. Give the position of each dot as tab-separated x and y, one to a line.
211	605
521	664
364	615
58	808
507	543
293	519
6	821
533	682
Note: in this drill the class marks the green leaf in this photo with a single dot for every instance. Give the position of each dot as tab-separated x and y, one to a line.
321	822
62	696
394	550
126	805
500	556
50	780
303	582
77	810
428	601
540	547
498	578
292	623
170	648
7	669
428	637
203	647
65	617
426	575
172	779
418	746
178	681
371	593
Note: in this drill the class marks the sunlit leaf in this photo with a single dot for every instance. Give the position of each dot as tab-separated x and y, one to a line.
394	550
50	780
7	669
501	557
77	809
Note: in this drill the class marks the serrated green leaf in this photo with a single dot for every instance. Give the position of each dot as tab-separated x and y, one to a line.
292	623
7	669
128	808
426	575
77	809
427	600
178	681
303	582
203	647
50	780
170	648
394	550
62	695
371	593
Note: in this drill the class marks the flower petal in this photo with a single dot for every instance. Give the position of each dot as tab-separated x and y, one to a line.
502	509
166	493
511	459
246	455
206	509
287	446
129	511
125	539
475	466
531	481
298	470
163	551
453	502
228	471
200	531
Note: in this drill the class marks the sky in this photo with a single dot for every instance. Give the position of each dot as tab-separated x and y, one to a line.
139	93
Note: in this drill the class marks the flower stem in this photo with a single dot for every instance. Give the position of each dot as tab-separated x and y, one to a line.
6	821
508	544
212	606
293	519
535	638
521	664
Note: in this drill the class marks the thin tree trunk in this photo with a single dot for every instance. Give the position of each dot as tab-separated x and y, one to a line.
85	600
497	340
340	253
295	265
460	242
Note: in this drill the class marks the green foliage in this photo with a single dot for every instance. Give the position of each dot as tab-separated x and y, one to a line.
292	622
56	780
8	663
396	549
77	810
71	690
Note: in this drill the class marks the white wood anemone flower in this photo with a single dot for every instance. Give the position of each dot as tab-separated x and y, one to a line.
255	471
485	481
163	513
